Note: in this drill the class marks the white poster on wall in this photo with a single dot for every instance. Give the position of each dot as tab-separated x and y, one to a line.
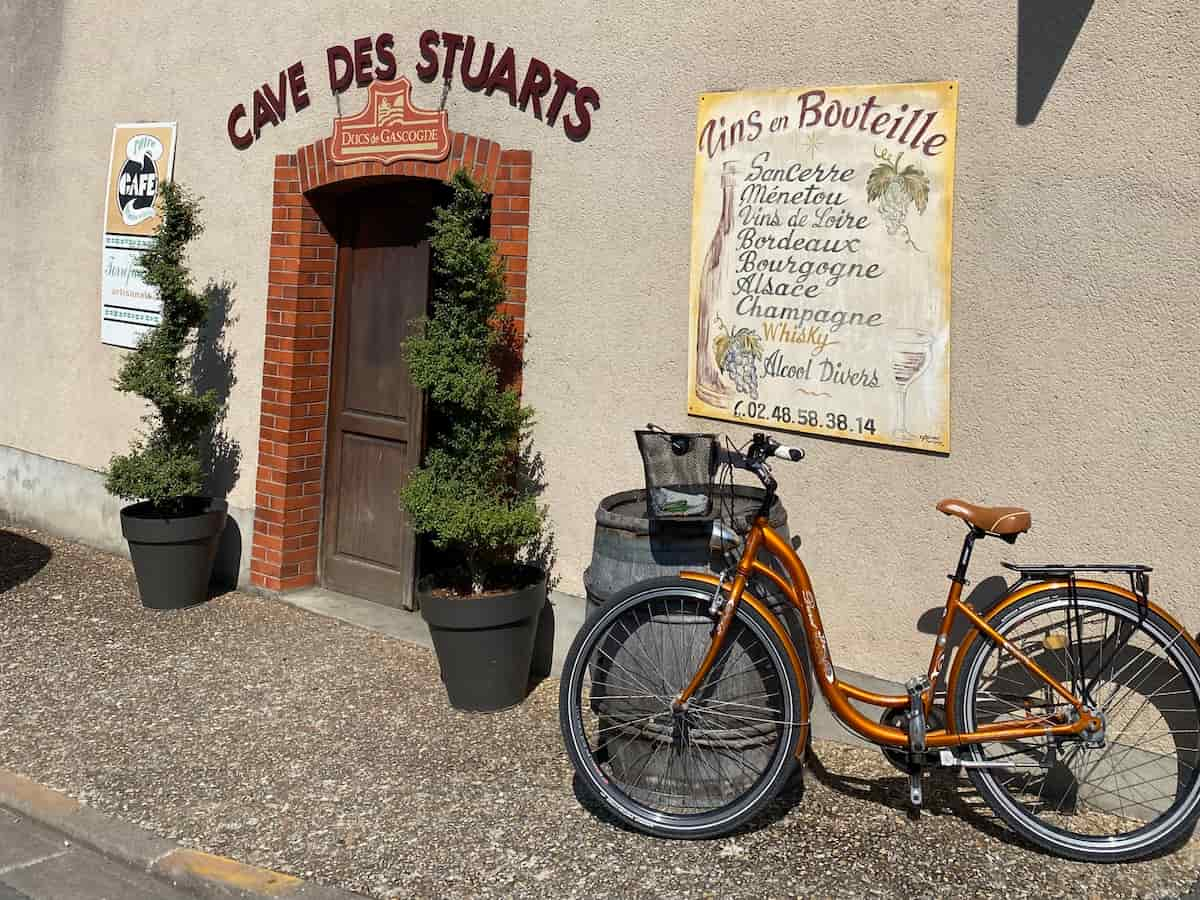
142	157
821	240
128	306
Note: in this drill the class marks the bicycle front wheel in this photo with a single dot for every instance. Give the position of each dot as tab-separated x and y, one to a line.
697	772
1118	795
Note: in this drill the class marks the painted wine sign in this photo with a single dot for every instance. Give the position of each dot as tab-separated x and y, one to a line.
820	287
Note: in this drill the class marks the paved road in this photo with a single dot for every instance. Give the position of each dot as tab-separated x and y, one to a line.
38	864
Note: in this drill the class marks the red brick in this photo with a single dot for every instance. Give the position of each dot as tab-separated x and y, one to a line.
512	189
510	218
268	515
319	162
510	249
493	165
300	502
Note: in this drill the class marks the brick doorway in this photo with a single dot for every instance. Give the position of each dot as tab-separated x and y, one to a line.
299	329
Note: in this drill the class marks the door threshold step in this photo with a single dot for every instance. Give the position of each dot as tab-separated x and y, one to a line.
407	625
391	621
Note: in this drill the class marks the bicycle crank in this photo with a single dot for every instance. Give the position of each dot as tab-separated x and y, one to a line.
907	762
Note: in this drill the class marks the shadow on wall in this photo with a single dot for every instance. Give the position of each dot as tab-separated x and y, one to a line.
983	597
20	559
221	456
1046	32
531	470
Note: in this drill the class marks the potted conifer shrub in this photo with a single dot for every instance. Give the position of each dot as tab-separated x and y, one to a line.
172	531
473	496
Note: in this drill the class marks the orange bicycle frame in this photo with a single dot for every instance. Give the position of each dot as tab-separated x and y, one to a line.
797	588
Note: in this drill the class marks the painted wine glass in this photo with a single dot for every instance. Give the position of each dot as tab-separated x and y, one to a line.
909	354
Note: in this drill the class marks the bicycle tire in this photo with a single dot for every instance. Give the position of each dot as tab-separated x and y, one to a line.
1101	812
714	796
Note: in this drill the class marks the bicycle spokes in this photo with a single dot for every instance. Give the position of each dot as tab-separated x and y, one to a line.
703	755
1130	772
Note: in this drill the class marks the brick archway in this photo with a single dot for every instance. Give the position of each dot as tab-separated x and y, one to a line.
296	360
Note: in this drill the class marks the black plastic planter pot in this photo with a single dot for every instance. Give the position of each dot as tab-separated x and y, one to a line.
173	557
485	644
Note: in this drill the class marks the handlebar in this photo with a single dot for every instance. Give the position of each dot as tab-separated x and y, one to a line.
755	458
763	445
791	454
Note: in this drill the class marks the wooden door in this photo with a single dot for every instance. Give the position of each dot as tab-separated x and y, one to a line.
375	414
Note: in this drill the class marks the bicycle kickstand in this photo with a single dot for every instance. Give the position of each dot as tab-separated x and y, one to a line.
916	687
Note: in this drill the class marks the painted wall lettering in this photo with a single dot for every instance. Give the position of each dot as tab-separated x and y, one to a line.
905	126
482	67
269	106
356	65
549	94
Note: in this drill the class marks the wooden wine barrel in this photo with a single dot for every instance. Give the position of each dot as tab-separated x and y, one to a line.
628	547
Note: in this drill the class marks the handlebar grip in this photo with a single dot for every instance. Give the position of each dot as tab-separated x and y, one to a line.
791	454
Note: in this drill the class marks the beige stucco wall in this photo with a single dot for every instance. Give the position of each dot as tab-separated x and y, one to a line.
1075	332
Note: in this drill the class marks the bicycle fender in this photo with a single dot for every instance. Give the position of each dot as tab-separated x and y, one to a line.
1021	594
797	665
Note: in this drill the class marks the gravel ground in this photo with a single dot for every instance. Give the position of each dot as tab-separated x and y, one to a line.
248	728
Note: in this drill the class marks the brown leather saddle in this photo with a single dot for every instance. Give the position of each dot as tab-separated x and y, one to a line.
1002	521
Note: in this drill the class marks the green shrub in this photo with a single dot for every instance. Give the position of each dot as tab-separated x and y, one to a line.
163	463
473	494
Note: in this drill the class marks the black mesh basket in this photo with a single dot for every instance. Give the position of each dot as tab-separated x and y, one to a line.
679	473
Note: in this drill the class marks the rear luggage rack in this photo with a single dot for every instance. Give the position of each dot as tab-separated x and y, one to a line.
1061	569
1139	575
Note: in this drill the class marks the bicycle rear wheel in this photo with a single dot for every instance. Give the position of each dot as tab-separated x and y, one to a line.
1120	795
694	773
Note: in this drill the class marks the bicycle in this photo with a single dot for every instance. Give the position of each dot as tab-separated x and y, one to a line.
1073	704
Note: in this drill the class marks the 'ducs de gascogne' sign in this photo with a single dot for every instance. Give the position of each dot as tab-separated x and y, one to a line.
390	128
820	288
549	94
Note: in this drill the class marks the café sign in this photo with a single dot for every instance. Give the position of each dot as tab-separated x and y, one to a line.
141	159
389	128
820	261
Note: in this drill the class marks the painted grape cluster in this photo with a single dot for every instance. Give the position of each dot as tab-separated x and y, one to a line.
893	205
895	189
737	354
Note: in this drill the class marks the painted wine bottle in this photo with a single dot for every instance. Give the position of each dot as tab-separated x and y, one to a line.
714	279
